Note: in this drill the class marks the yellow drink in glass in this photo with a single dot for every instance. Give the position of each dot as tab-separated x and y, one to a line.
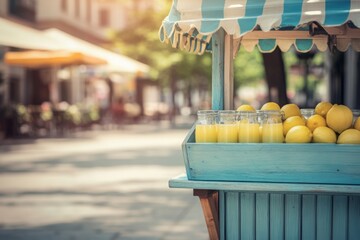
272	133
249	132
205	130
227	128
227	133
205	133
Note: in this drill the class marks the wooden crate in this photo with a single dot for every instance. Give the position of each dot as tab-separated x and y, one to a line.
266	162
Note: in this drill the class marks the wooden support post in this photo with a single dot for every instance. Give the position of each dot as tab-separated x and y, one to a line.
218	40
209	203
228	73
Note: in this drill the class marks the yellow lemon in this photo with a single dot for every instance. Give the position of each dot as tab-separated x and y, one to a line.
298	134
315	121
290	110
339	118
349	136
324	135
357	124
292	122
322	108
270	106
246	107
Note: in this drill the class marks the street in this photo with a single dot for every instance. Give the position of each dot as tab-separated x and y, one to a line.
101	184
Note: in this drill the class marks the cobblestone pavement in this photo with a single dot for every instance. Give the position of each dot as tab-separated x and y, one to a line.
103	184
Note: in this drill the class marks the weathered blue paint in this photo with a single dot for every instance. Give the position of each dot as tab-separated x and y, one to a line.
308	223
232	203
218	43
292	216
276	216
323	217
286	219
247	216
283	211
354	219
262	216
266	162
222	214
340	217
183	182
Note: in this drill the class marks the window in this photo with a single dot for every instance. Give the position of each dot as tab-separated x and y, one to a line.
64	5
88	11
25	9
104	17
77	8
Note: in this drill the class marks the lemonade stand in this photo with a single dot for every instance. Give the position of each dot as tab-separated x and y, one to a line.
268	190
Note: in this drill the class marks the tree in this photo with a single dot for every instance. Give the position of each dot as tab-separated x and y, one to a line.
275	76
140	41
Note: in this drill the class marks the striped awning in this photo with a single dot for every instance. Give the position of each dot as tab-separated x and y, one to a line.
264	23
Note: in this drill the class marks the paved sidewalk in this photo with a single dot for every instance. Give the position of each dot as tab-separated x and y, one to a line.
109	185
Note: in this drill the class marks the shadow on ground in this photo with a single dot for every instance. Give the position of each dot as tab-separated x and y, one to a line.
97	193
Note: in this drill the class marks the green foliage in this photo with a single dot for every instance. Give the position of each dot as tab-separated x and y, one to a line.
248	68
140	41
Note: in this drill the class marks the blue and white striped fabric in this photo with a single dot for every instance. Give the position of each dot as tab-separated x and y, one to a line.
191	23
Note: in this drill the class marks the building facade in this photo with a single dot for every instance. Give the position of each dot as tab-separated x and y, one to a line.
85	19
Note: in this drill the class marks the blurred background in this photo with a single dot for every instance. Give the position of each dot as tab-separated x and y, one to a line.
93	109
68	65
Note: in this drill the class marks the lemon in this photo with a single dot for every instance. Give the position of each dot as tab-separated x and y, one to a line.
315	121
322	108
324	135
290	110
270	106
298	134
349	136
357	124
339	118
292	122
246	107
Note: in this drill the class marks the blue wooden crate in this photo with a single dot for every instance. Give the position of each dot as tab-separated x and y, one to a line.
266	162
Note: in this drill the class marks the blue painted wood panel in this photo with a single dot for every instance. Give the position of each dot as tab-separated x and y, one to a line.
182	181
232	226
323	217
287	163
354	217
262	216
222	213
340	217
292	216
277	216
308	217
218	70
247	216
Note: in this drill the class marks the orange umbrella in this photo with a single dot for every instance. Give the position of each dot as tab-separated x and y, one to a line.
50	58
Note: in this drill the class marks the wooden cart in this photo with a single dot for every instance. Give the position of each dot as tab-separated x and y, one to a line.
268	191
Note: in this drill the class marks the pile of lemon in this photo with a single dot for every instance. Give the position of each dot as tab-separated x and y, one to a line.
330	123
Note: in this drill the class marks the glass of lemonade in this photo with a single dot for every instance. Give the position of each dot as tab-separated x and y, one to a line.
272	127
307	112
356	114
205	130
249	127
227	128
